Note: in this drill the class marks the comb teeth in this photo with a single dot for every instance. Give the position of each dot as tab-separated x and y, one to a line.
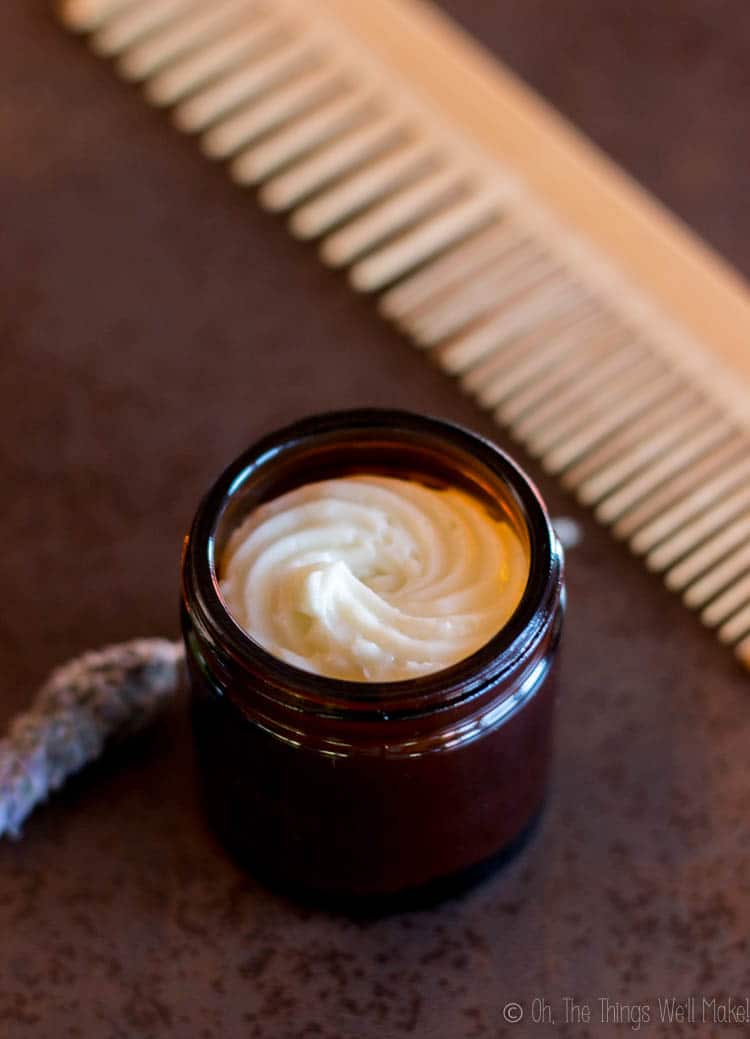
253	120
631	413
246	41
250	81
374	175
313	176
198	28
134	22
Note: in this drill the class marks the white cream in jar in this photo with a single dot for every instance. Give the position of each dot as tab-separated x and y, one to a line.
373	578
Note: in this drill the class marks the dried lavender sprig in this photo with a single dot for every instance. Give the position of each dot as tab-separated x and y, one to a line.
83	704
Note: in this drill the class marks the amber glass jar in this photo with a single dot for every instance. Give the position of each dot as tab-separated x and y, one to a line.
336	788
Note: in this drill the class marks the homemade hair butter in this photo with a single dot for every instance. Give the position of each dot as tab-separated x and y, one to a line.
373	578
371	606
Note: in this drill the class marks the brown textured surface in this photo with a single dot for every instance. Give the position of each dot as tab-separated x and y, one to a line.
153	323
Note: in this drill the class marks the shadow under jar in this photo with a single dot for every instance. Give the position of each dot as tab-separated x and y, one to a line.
347	790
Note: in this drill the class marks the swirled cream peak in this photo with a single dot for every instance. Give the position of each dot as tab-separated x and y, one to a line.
372	578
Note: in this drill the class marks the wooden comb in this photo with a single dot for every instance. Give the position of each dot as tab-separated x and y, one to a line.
605	336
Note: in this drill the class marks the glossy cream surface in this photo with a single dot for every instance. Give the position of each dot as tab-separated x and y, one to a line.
372	578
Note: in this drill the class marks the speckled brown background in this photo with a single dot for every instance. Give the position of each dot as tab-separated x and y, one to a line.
154	322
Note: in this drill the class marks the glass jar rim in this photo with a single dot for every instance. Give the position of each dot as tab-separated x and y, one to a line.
500	656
